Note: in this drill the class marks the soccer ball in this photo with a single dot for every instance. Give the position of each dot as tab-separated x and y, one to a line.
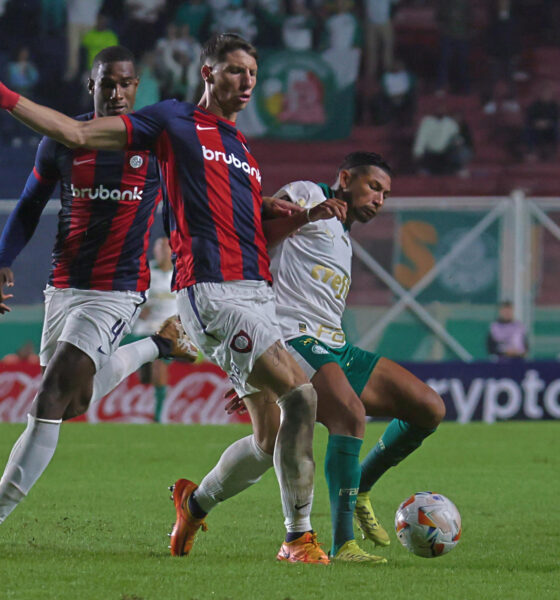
428	524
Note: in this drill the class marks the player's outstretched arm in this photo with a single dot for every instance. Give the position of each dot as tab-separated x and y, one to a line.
107	133
276	230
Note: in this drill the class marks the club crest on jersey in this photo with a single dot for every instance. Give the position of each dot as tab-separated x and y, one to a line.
241	342
318	349
136	161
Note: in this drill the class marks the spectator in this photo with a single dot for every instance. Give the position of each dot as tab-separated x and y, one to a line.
177	60
53	17
298	28
148	91
22	77
235	18
378	47
98	38
24	354
144	25
507	338
541	124
442	144
22	73
503	47
397	98
342	43
341	27
269	15
378	36
196	14
455	21
81	16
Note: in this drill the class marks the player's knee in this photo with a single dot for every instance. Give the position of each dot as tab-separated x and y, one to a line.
434	408
346	419
290	382
77	407
68	381
357	420
51	402
299	405
266	438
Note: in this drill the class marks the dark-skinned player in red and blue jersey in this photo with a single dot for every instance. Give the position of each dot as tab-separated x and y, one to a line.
225	299
99	275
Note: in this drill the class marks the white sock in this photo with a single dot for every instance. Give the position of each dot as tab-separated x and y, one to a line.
241	465
30	456
293	456
126	360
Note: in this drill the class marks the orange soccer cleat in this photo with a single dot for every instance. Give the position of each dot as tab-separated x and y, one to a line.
186	526
305	549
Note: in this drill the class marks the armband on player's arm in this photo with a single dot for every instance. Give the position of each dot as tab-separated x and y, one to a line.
8	99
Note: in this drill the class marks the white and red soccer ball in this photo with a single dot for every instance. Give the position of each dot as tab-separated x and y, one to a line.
428	524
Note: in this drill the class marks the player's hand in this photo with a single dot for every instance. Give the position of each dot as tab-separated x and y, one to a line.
333	207
6	279
234	403
279	207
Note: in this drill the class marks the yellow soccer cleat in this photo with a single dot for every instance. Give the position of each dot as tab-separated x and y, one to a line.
351	552
368	523
305	549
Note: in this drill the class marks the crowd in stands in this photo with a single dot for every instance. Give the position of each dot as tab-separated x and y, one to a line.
417	58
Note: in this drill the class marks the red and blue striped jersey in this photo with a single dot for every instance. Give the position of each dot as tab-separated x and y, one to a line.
214	188
108	205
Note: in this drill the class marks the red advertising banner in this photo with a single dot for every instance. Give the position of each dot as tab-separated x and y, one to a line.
195	394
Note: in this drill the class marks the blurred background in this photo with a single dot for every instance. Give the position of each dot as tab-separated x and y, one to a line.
460	96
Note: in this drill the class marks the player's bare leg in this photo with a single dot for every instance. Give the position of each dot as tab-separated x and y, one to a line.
343	413
393	391
277	372
417	410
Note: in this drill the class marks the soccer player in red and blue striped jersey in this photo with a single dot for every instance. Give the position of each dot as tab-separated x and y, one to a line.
99	274
225	299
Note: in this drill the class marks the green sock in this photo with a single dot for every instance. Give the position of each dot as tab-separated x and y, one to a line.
159	392
342	471
397	442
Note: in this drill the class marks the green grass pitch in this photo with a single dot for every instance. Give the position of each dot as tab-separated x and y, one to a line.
94	526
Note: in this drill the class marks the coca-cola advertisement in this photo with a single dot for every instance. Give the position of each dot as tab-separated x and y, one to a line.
195	394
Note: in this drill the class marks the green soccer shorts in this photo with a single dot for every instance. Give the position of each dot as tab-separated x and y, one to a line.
311	354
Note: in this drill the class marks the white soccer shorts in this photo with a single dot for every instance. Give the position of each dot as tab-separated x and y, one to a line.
94	321
233	323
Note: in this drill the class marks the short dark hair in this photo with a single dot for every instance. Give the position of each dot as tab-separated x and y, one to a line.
112	54
221	44
365	159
